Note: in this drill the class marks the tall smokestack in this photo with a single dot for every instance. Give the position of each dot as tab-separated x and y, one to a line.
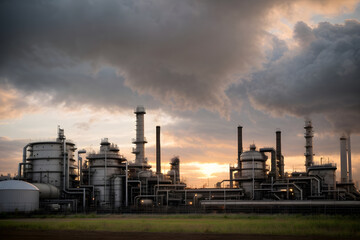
278	152
240	145
140	140
349	158
343	159
309	144
158	153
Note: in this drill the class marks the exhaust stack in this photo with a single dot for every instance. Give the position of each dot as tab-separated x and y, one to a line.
240	145
158	153
349	158
343	159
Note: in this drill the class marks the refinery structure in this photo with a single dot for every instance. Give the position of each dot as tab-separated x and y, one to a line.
68	179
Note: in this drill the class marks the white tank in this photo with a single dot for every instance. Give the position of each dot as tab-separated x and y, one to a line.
47	191
18	196
46	163
253	170
104	165
253	162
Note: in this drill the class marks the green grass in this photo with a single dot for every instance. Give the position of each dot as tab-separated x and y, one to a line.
335	226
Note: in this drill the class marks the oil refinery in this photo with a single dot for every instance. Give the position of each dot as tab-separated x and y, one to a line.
54	176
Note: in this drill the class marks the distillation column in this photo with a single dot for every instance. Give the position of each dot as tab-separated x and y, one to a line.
140	139
279	157
309	145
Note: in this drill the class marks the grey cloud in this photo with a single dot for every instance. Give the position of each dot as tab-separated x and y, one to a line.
303	33
322	77
184	53
11	154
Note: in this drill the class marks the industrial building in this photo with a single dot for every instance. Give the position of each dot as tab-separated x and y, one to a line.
67	179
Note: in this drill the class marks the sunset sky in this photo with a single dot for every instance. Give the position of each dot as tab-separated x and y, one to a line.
200	68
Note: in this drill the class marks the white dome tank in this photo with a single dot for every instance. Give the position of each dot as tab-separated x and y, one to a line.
18	196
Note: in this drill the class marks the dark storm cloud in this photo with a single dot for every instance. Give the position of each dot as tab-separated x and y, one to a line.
183	53
322	76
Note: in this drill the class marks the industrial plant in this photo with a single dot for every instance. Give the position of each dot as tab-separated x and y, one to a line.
54	176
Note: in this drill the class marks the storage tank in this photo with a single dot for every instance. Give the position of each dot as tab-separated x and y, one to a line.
47	191
18	196
253	170
46	162
104	165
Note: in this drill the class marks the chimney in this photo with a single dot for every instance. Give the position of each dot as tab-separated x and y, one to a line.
343	159
158	153
349	158
240	145
278	153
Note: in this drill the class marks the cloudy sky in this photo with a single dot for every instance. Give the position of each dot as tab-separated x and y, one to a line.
200	68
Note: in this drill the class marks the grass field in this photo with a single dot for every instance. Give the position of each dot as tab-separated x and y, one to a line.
335	226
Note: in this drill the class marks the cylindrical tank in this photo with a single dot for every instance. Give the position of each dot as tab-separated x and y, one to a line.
253	170
46	161
104	165
253	164
117	192
146	202
18	196
47	191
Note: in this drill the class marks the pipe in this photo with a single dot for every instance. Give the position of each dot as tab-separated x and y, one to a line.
138	181
158	153
65	161
84	199
349	158
287	187
24	160
343	159
231	170
80	162
89	186
105	176
89	173
253	177
126	184
274	170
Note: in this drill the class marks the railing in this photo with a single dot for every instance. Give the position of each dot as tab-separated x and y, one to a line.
135	140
